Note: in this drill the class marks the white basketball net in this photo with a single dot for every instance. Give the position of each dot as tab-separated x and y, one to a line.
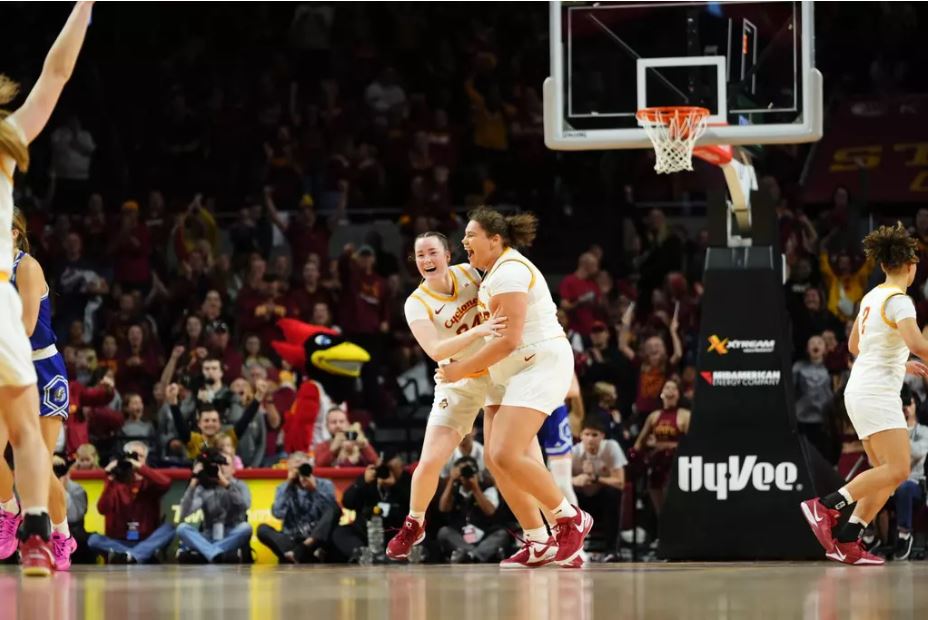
674	133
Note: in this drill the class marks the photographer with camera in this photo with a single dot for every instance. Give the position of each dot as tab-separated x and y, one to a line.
348	447
131	505
209	422
383	489
472	533
224	532
307	507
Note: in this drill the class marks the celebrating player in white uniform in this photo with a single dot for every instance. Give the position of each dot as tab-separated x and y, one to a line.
531	367
443	316
19	403
884	333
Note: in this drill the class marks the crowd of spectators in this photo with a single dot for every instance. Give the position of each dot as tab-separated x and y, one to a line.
243	177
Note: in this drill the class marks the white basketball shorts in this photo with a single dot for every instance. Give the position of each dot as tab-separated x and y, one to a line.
536	376
872	413
457	404
16	368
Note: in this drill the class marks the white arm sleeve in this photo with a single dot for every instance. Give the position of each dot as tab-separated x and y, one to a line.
900	307
415	310
511	277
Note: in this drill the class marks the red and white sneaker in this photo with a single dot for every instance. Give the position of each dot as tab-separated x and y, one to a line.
821	519
9	526
408	537
571	532
577	562
532	554
854	553
36	557
63	547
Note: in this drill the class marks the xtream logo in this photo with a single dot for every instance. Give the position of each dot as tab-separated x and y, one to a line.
734	475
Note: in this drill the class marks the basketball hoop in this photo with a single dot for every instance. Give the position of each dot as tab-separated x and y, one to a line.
673	131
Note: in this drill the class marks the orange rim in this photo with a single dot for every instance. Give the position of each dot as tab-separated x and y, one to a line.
662	113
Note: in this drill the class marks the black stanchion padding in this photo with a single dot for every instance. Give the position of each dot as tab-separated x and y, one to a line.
741	472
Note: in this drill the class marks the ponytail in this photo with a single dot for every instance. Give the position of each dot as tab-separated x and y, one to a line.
518	231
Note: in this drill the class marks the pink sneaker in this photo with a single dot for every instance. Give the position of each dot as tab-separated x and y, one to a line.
532	554
63	548
571	532
9	526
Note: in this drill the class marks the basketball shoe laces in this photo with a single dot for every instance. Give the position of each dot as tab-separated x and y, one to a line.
7	526
526	544
404	533
60	543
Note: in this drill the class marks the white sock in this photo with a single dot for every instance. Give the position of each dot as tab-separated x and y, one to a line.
561	472
846	495
564	510
10	505
62	528
538	534
905	535
418	517
36	510
858	520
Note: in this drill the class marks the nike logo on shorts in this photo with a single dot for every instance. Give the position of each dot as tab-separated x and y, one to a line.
529	358
440	309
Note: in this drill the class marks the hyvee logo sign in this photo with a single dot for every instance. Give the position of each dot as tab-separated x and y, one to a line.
741	378
722	346
734	475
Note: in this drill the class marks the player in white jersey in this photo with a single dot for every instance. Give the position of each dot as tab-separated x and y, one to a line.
443	316
531	367
884	334
19	404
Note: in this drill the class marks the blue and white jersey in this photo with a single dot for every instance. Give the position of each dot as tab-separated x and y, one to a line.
50	369
43	336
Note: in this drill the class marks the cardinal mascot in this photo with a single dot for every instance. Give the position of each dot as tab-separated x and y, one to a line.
329	365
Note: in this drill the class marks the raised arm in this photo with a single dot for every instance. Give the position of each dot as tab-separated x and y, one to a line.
272	211
625	332
33	115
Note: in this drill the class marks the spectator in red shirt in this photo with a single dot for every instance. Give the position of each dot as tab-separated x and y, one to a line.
580	294
365	308
131	505
300	228
217	343
139	364
302	300
348	447
130	249
86	404
261	313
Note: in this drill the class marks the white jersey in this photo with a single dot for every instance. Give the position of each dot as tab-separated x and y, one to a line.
513	273
880	367
450	314
7	168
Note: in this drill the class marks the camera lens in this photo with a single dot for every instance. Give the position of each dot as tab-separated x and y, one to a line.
305	470
383	472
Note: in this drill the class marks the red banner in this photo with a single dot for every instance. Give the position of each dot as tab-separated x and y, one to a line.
888	138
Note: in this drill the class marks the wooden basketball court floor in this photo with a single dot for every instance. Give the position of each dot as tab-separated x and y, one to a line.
819	591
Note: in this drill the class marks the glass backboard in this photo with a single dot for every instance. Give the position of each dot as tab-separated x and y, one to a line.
750	63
